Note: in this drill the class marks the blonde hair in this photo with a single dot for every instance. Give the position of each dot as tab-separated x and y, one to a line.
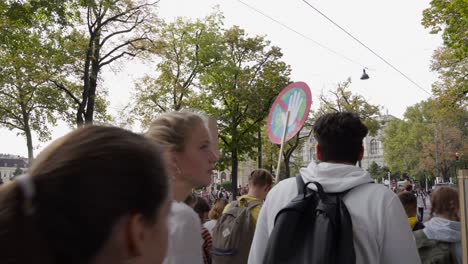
217	210
171	129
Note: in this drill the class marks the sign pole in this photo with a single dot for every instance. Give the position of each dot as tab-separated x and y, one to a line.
281	148
463	196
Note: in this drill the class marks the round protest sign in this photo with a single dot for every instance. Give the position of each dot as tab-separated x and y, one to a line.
295	98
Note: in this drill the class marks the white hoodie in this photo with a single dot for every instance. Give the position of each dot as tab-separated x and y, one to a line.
380	226
442	229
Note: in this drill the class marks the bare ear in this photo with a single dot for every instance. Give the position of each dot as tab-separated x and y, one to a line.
319	153
170	159
136	235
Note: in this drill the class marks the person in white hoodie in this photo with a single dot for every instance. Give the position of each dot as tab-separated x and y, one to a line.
380	227
440	240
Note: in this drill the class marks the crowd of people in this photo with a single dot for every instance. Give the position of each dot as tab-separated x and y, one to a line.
107	195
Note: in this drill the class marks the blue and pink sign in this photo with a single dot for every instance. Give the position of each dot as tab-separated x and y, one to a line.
296	98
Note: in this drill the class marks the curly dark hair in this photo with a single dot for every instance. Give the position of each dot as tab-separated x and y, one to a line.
340	136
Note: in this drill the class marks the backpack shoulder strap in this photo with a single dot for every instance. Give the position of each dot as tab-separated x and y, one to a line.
253	204
300	184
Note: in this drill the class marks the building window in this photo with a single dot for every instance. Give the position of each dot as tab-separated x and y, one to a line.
374	147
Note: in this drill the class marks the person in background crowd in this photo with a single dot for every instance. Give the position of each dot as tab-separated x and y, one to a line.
214	214
421	201
98	195
190	154
191	200
223	194
409	203
213	195
233	234
440	241
206	195
260	182
202	208
409	187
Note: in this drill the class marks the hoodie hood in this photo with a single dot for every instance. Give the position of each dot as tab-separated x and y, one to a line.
443	230
334	177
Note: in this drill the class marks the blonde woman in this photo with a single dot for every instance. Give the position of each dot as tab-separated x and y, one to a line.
214	214
189	150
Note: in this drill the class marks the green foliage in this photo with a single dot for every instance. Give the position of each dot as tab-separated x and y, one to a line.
185	49
450	17
227	185
29	102
451	60
415	144
376	171
240	89
343	100
17	172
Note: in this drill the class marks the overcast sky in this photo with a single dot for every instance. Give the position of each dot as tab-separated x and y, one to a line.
390	28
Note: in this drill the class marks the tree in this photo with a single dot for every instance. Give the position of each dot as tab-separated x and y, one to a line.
184	49
425	142
240	89
115	29
439	155
450	18
28	100
343	100
18	171
376	171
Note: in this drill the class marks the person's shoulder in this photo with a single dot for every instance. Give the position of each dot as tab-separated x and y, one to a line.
182	211
375	189
285	190
285	185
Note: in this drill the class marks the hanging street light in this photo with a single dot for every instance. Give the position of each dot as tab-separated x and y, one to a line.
364	75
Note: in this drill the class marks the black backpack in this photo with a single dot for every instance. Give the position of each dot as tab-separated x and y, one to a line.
315	227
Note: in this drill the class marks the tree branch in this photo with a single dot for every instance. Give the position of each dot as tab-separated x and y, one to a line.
225	141
113	18
61	87
327	103
116	57
11	125
158	105
8	95
117	33
126	43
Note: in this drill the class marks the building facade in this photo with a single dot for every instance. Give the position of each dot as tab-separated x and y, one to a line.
11	165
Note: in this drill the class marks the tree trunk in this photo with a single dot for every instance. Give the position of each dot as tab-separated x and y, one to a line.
79	117
89	115
80	114
259	147
287	168
27	131
235	164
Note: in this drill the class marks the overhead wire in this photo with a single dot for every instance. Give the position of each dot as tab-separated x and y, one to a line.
300	34
364	45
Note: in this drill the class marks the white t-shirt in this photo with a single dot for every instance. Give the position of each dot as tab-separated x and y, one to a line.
210	225
380	226
420	199
185	240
